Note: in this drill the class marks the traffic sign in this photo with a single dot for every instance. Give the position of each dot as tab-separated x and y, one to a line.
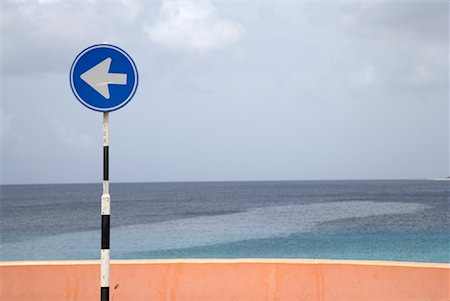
103	77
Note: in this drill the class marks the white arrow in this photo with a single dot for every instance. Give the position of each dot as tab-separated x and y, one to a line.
98	77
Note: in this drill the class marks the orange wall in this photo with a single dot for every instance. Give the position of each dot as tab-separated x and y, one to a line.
240	279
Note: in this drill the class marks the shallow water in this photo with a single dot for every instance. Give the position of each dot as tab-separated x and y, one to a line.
380	220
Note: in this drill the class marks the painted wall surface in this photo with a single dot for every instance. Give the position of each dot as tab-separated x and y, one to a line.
246	279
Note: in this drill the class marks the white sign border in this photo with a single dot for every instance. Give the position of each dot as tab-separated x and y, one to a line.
91	106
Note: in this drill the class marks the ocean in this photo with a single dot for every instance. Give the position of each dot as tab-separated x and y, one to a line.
399	220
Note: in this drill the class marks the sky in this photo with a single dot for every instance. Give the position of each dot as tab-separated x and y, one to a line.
230	90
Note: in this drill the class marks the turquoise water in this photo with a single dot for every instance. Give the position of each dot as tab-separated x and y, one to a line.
432	247
375	220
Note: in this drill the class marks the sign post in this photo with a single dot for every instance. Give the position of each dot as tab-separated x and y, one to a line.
106	211
104	78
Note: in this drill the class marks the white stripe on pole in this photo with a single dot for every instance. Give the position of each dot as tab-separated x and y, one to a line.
105	256
105	129
106	187
106	203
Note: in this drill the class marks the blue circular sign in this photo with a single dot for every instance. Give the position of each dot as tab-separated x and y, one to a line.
103	77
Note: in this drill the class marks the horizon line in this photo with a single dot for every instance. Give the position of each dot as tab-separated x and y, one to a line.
231	181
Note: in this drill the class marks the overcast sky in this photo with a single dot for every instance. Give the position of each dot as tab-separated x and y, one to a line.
230	90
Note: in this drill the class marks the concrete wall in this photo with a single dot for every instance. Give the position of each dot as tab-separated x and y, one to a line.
252	279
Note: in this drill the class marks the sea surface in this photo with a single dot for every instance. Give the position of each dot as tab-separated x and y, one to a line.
375	220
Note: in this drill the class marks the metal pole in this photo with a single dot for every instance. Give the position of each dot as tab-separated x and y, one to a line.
106	210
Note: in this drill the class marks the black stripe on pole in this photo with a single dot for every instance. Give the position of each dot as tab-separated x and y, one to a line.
105	232
105	294
106	163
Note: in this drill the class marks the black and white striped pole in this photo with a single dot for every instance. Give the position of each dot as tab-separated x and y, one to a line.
90	80
106	211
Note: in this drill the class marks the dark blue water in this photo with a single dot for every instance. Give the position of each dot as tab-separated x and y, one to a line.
377	220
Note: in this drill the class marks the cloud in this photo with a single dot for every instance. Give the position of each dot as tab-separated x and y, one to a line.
193	25
71	136
46	35
367	76
390	45
5	121
7	135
